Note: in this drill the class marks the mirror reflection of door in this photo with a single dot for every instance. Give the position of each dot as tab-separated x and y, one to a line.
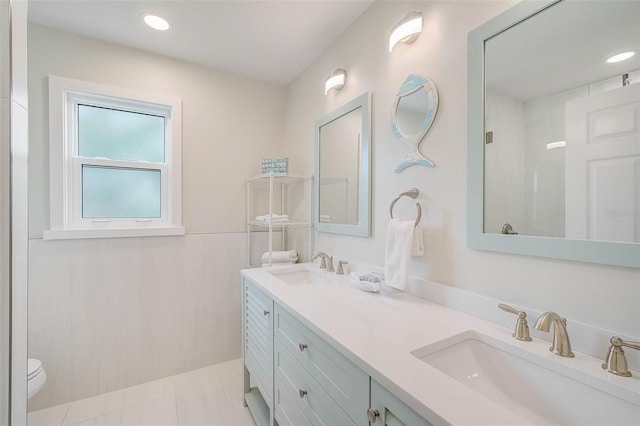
603	166
340	145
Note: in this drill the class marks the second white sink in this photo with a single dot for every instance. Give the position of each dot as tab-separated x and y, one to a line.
541	395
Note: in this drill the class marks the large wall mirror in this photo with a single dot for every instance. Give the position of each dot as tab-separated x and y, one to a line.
554	132
342	164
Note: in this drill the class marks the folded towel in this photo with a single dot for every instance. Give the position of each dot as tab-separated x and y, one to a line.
274	218
290	262
399	248
280	256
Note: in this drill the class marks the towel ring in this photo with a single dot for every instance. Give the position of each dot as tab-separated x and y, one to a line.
413	193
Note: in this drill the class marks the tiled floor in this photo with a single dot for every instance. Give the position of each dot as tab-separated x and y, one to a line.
210	396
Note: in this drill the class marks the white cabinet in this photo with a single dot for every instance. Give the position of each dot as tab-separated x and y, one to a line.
279	205
257	351
292	376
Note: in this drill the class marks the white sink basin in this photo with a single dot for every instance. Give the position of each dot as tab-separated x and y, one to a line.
297	275
529	384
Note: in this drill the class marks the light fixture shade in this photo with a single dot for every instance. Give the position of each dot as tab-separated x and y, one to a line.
336	80
407	31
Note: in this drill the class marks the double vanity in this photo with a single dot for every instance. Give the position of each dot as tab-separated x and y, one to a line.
317	350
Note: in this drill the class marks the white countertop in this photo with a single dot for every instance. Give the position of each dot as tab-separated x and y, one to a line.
378	332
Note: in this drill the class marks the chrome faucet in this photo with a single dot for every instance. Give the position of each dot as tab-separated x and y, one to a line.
327	261
561	344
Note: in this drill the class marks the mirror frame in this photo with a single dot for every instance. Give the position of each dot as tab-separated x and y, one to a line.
414	157
363	227
604	252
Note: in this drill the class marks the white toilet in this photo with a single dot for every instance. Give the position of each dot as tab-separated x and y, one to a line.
35	377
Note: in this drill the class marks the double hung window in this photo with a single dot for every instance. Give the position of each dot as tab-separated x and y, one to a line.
115	161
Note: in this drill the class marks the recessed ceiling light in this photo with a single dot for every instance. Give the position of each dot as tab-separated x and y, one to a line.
620	57
156	22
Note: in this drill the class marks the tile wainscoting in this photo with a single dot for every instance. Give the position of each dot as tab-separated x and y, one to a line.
105	314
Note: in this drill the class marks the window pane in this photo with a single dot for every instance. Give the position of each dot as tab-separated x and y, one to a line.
111	192
120	135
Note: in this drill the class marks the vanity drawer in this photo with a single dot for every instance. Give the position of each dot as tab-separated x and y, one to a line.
316	404
342	379
287	412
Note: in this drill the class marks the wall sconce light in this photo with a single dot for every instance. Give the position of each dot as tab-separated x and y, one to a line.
336	80
407	31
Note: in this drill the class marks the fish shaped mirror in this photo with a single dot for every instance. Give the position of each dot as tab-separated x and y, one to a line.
412	114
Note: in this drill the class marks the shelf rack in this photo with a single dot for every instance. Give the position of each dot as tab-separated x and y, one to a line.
278	187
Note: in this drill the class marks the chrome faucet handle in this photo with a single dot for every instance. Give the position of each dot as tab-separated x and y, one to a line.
521	331
340	270
616	361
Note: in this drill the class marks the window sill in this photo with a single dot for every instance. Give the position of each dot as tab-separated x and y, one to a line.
75	234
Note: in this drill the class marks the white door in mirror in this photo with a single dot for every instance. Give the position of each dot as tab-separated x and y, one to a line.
602	156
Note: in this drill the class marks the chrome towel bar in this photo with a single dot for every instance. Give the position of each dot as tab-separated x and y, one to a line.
413	193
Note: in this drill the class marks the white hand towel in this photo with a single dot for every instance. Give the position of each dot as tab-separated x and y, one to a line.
280	256
418	244
400	235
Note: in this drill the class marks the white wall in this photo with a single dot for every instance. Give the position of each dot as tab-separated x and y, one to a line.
110	313
5	212
545	169
14	149
603	296
504	164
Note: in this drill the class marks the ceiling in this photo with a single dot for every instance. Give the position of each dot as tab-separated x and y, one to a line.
270	40
575	36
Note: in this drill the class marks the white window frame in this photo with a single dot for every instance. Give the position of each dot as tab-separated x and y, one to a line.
65	164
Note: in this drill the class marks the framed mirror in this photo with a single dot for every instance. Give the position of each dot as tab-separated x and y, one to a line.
412	114
554	132
342	187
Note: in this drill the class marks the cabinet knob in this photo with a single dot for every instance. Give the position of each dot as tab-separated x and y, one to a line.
302	346
302	393
265	312
373	415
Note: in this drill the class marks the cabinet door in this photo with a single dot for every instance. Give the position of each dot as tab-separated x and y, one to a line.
258	338
387	409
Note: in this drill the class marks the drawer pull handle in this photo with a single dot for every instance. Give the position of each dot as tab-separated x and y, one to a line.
373	415
302	393
265	312
302	346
